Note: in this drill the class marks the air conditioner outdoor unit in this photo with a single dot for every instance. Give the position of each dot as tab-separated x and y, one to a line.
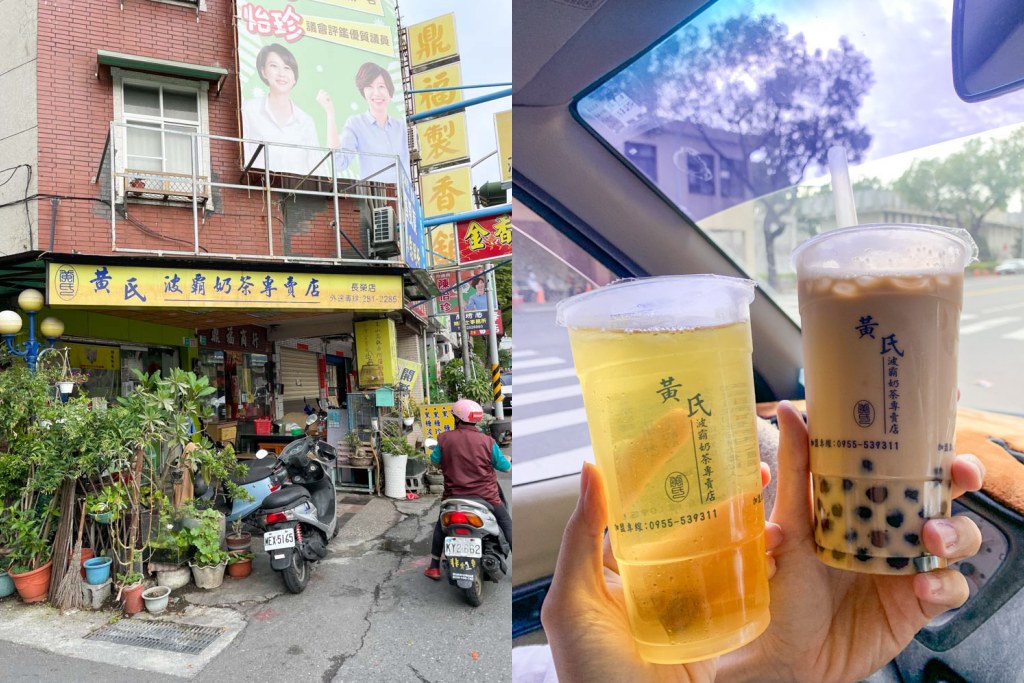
383	226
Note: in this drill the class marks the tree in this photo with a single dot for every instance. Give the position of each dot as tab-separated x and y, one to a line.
969	184
746	82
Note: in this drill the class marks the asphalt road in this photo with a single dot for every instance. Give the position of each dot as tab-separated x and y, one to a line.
550	426
368	614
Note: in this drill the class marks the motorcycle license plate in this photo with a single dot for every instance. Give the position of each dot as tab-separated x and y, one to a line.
463	547
281	538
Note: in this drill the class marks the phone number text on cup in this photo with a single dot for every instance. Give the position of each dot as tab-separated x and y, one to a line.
853	444
666	523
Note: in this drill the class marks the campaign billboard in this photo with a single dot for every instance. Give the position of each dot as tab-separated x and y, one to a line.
322	74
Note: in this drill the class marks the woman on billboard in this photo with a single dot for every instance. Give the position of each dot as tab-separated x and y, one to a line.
373	131
274	118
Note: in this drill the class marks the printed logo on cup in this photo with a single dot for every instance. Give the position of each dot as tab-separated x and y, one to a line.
864	413
677	487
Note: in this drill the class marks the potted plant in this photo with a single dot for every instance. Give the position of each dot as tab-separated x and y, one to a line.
30	562
156	598
109	503
396	451
208	560
238	539
130	591
410	409
240	564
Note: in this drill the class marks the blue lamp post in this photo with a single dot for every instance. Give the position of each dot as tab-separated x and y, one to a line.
30	301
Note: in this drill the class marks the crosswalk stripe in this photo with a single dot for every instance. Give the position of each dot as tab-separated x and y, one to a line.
1018	335
537	363
525	353
535	377
555	465
549	422
986	325
533	397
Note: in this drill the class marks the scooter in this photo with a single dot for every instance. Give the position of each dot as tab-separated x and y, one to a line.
474	546
302	517
262	478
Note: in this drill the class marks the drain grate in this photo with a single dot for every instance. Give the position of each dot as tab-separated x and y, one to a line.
158	635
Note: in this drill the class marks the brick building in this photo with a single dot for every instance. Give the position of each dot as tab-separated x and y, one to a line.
121	156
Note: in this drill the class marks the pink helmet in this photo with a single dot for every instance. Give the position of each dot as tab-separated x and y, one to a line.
468	411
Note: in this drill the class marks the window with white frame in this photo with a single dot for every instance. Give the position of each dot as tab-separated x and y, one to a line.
161	118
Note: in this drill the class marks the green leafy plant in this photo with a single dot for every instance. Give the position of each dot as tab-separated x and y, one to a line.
204	537
129	578
235	558
26	531
394	442
113	498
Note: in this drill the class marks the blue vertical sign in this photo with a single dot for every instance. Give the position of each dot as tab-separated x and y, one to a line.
413	249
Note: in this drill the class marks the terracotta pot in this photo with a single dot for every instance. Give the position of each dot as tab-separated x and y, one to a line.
34	586
131	598
87	554
240	570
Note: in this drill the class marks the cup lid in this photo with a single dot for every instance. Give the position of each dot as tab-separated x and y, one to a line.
662	303
885	249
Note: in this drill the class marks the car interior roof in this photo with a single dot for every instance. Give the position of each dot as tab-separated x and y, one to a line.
562	49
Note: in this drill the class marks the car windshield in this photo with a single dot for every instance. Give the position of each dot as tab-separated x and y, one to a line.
731	117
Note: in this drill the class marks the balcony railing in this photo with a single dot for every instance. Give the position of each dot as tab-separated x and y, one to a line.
242	206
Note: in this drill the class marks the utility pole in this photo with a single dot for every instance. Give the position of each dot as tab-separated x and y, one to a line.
466	367
492	342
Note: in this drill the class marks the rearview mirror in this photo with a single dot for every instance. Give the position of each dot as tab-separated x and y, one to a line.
988	48
311	419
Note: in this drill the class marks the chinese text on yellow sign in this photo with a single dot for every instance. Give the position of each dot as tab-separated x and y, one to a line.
448	191
100	285
433	40
503	131
377	352
448	76
443	140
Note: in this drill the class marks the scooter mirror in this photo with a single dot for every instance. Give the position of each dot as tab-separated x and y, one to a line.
430	443
262	453
311	420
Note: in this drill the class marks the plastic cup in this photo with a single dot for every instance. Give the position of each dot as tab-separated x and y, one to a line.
880	311
665	368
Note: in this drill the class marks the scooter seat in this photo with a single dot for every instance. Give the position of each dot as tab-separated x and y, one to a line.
286	497
258	469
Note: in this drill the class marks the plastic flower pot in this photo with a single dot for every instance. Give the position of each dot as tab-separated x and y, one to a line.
101	517
97	570
240	542
131	598
174	578
34	586
6	584
156	599
208	577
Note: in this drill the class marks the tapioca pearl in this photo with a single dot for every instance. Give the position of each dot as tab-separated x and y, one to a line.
867	465
851	536
897	562
826	524
823	485
862	554
894	519
911	494
880	539
838	555
912	539
837	510
847	484
863	512
877	494
944	509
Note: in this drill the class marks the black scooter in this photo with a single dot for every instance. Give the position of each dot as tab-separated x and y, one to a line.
302	517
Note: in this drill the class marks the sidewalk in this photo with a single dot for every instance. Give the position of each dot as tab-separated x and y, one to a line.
372	530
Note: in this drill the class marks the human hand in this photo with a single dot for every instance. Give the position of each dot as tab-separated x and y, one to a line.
584	613
325	101
833	625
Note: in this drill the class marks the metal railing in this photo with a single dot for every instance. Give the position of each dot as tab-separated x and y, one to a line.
310	174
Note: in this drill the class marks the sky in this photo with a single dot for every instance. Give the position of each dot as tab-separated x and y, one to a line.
485	47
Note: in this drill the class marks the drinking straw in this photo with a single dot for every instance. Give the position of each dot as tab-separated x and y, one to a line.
842	189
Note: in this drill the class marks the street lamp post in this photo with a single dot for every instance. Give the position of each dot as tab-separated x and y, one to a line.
30	301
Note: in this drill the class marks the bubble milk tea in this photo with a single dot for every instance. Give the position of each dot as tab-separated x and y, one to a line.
664	367
880	311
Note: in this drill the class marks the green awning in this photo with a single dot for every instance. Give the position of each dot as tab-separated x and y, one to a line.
161	66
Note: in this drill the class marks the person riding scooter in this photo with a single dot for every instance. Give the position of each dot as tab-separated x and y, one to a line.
468	459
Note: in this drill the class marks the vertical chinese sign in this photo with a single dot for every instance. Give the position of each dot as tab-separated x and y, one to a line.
503	132
322	73
436	418
376	352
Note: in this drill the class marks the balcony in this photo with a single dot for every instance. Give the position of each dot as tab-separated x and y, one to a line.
176	192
